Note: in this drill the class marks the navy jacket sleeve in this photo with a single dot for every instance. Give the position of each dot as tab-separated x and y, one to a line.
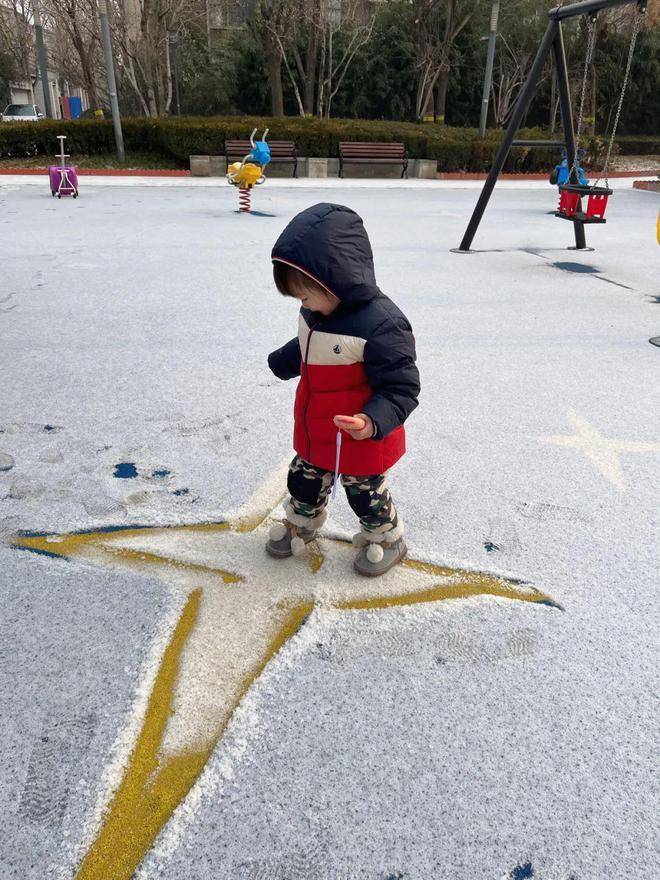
389	361
285	362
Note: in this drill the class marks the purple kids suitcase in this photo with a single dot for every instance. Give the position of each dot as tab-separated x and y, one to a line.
63	181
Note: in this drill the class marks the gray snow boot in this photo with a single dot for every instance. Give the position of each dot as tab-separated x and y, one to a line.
290	536
376	555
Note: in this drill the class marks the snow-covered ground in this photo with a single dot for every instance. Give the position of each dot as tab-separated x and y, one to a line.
484	737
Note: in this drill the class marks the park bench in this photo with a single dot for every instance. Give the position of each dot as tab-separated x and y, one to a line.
358	153
281	152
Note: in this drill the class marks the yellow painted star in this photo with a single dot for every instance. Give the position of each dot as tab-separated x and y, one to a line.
240	608
602	452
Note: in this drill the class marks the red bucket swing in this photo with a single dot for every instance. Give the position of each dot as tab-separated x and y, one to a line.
570	202
571	194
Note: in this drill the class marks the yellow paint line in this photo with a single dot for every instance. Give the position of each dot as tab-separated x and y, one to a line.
154	784
461	590
148	793
70	544
141	557
151	790
75	545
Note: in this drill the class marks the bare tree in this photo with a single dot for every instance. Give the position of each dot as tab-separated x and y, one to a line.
336	19
520	30
140	31
16	35
274	23
511	69
77	29
437	23
332	34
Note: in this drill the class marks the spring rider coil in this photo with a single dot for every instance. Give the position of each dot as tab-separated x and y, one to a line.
249	172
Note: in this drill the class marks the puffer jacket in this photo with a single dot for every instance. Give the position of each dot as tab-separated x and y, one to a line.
361	358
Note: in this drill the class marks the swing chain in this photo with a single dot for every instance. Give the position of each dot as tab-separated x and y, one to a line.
636	28
591	40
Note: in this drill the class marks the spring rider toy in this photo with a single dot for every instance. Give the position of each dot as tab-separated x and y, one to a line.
250	172
63	177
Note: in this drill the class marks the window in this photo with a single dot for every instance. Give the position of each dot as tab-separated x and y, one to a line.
20	110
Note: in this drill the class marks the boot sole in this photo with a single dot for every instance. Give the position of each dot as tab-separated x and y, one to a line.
283	554
278	554
366	573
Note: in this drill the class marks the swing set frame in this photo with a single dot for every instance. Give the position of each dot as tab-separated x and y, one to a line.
552	42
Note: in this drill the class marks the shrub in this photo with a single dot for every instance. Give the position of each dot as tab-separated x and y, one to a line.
456	149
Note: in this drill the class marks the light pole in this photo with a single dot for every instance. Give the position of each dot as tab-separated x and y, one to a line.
110	74
41	58
488	76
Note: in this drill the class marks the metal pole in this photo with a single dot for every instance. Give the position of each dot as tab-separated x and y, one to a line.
110	74
488	76
524	98
589	6
567	122
41	59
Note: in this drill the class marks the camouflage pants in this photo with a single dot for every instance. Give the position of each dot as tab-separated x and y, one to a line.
368	496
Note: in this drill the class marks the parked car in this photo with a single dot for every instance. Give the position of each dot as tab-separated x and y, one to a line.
21	113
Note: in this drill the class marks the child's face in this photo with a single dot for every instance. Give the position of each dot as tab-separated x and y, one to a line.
312	297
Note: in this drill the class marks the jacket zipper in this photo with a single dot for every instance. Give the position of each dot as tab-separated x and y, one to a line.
309	389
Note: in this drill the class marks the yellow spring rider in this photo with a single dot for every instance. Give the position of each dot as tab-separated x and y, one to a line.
250	172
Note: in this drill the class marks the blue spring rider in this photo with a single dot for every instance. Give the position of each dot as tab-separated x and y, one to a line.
250	172
560	174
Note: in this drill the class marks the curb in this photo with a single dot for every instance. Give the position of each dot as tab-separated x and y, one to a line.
105	172
509	176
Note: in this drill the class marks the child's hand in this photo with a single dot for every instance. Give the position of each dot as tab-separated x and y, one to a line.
360	426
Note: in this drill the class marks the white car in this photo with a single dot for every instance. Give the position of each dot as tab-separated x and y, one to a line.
21	113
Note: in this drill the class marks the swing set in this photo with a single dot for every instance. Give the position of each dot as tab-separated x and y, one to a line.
574	190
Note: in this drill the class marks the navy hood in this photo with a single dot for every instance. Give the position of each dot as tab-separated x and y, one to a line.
330	243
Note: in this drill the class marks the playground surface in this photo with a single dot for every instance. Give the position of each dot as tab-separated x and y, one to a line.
176	704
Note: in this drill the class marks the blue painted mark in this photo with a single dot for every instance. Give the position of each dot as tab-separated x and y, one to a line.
523	872
162	473
125	470
181	491
25	533
40	552
576	267
50	428
490	546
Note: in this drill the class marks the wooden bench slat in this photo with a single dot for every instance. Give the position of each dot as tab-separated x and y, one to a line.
372	153
377	160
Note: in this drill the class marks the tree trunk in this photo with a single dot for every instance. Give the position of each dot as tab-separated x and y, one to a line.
590	121
553	101
275	79
441	96
151	100
85	57
310	70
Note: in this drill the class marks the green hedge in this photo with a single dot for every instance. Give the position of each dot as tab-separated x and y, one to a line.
456	149
639	144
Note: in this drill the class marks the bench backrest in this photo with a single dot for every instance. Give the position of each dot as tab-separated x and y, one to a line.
371	150
278	149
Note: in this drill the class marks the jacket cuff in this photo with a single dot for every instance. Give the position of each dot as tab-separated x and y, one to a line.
378	434
277	367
